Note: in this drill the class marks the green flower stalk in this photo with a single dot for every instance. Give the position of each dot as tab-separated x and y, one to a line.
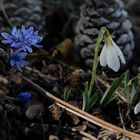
103	31
111	55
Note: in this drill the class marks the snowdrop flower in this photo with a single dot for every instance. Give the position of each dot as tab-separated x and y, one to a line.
111	55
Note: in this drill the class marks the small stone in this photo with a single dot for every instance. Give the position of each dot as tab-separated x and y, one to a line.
35	111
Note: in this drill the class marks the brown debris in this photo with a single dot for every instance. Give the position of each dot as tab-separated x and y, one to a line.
56	111
74	78
53	137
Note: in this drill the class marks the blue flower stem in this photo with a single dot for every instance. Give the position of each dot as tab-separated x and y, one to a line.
103	31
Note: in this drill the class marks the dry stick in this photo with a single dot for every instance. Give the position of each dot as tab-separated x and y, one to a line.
122	122
105	83
85	134
74	130
83	114
121	118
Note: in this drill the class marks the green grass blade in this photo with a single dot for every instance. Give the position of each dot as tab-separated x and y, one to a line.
110	92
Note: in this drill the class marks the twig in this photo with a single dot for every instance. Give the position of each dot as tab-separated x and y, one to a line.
104	83
121	118
73	130
83	114
84	134
43	76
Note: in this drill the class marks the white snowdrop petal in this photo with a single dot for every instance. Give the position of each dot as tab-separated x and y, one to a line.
119	52
137	108
111	55
112	58
102	58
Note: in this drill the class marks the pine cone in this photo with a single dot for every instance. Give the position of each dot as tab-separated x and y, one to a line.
23	12
96	14
133	8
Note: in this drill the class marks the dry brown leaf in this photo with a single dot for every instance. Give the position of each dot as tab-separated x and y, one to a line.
64	48
56	111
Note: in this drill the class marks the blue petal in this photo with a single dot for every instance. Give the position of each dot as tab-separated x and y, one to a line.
24	62
36	33
29	49
33	41
23	48
17	34
19	67
17	45
17	53
14	31
39	39
6	35
23	55
38	46
6	41
12	62
31	30
20	36
23	30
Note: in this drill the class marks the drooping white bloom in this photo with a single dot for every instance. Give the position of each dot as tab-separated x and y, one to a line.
111	55
137	108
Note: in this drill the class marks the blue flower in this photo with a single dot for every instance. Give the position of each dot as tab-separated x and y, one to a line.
21	41
12	38
29	38
23	38
24	96
17	59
